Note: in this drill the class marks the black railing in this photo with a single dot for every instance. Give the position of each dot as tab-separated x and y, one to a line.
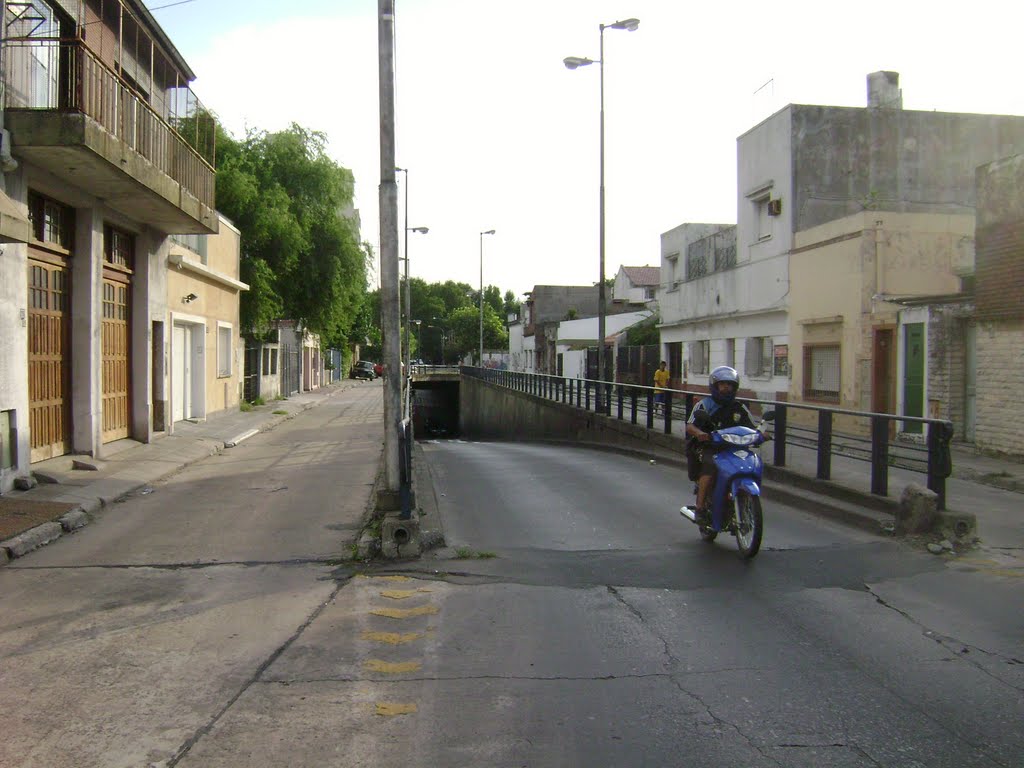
864	436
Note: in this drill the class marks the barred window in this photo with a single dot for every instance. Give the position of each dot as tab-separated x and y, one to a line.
119	248
224	334
50	221
699	352
757	359
822	372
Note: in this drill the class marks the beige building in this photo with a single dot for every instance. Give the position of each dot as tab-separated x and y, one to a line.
203	354
856	340
105	153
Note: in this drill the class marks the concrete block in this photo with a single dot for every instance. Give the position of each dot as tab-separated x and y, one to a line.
31	539
917	511
400	538
74	519
25	483
4	557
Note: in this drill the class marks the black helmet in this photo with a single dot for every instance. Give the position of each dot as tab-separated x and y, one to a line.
723	373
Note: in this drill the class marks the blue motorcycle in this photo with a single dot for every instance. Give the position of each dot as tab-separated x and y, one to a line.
736	494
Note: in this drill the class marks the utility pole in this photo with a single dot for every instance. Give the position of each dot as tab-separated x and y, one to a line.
390	303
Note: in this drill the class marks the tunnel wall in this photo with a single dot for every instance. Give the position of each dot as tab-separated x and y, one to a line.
491	412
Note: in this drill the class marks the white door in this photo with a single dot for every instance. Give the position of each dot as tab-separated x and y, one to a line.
181	372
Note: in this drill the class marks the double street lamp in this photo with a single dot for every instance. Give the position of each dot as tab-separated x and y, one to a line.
574	62
488	232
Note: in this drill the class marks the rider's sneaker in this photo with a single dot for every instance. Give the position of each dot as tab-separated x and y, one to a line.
703	515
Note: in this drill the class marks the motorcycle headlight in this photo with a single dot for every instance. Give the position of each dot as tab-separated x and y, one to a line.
740	439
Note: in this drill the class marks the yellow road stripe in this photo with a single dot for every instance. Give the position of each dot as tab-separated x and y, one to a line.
404	613
392	638
392	667
389	709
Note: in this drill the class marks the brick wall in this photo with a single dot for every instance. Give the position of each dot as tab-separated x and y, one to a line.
946	358
1000	423
999	260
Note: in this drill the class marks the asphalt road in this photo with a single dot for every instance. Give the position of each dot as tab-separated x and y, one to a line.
573	619
604	632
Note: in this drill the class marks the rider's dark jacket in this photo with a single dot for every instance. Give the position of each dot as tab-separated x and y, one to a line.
733	414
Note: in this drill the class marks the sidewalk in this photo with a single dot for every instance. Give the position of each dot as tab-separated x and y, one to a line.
72	488
991	489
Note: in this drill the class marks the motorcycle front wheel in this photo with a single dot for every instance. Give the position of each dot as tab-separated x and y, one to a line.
749	523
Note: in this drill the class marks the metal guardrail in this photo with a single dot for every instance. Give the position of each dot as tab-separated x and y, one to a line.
813	426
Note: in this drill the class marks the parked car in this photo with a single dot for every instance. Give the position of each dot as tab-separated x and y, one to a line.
364	369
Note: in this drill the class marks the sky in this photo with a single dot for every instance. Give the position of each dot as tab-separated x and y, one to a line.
498	134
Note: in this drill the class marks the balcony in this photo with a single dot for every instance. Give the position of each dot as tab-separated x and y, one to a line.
70	114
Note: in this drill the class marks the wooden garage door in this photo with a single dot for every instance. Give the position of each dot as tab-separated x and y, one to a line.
115	359
48	359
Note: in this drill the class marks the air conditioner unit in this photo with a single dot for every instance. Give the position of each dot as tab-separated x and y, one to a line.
774	207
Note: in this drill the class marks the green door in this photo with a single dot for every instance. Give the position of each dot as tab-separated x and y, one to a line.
913	375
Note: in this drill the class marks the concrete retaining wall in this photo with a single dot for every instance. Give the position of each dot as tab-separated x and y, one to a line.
487	411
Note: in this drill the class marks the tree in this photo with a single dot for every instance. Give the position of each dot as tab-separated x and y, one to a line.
300	252
511	306
644	333
465	329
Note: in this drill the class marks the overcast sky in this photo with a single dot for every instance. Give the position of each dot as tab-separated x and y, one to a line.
498	134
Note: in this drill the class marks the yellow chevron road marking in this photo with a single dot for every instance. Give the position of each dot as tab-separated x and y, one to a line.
392	708
404	613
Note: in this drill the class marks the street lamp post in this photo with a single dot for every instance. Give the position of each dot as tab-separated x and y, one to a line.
574	62
488	232
408	289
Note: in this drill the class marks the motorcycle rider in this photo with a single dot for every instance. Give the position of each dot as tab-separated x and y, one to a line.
716	411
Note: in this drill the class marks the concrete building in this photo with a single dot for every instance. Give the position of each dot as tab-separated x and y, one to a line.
110	154
301	358
636	285
206	350
843	216
548	305
995	375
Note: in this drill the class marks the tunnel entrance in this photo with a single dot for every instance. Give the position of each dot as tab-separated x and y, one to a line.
435	409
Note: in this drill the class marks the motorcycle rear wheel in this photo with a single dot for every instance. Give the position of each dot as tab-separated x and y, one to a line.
749	524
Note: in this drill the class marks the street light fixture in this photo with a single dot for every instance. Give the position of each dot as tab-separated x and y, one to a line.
574	62
488	232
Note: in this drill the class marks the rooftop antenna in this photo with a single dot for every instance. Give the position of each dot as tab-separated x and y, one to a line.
769	95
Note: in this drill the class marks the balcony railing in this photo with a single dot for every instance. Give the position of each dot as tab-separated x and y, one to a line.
64	76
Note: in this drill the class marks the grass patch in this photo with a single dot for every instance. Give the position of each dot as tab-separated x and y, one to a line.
245	407
280	412
465	553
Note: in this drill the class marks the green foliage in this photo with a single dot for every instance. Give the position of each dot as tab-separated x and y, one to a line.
465	331
644	333
301	254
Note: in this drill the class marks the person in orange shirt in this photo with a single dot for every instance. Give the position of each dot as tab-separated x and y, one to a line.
661	377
